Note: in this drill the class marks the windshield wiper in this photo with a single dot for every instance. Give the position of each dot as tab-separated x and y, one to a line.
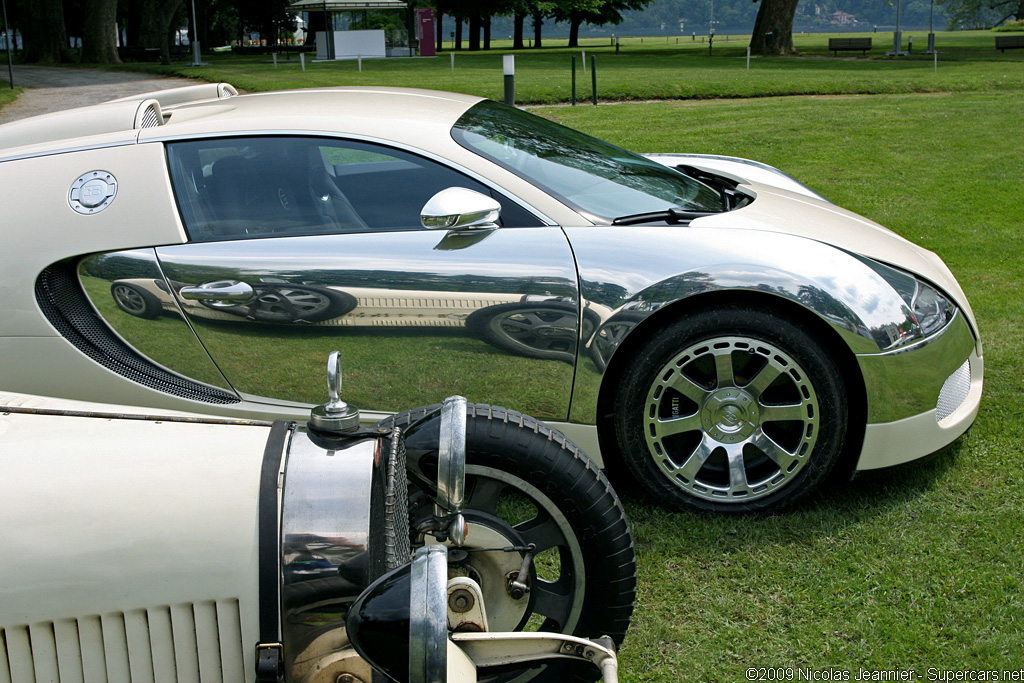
673	216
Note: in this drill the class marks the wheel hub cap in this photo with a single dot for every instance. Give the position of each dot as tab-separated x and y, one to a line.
730	415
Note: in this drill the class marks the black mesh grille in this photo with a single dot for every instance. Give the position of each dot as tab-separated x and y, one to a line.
389	546
65	306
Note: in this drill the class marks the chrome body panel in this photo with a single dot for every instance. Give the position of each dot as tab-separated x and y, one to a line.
325	522
392	281
163	335
744	170
907	381
619	273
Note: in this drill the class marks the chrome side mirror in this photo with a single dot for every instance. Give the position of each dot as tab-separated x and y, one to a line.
457	208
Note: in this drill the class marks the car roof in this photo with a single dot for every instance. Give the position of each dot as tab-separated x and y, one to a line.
403	114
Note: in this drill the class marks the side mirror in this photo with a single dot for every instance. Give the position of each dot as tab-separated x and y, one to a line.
457	208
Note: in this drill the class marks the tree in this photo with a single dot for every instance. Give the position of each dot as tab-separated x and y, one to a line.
149	23
595	12
774	17
42	30
982	13
99	32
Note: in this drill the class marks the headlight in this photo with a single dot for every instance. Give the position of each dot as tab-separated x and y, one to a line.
930	308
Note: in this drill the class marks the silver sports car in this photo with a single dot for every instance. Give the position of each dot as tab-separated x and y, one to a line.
723	332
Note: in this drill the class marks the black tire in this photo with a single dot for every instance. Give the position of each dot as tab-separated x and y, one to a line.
780	410
546	330
135	300
587	525
289	304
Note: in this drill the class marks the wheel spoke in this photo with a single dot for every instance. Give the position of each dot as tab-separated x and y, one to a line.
484	495
779	455
688	388
763	379
550	600
697	459
737	468
787	413
724	370
677	425
542	531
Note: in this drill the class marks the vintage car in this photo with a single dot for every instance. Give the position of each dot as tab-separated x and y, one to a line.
163	546
727	334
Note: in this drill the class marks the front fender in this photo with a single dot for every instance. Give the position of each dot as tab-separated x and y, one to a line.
637	271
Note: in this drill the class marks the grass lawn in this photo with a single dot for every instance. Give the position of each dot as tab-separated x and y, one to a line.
912	568
652	70
915	568
6	93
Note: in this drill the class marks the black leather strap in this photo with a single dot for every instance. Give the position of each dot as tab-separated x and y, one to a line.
269	651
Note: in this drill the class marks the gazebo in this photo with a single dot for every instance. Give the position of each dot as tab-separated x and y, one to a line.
335	44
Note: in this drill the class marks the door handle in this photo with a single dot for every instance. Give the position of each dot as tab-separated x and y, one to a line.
218	290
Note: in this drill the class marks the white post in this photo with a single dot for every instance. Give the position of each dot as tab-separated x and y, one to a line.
359	58
302	58
748	58
584	61
274	54
935	56
453	61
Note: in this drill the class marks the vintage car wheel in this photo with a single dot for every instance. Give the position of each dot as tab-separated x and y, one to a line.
546	330
731	410
286	303
526	483
135	300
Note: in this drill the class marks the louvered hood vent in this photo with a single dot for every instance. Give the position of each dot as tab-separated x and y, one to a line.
149	115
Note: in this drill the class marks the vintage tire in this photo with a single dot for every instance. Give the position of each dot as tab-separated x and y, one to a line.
288	304
135	300
576	515
731	410
545	330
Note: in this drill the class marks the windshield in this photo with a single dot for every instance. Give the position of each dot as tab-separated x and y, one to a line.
597	179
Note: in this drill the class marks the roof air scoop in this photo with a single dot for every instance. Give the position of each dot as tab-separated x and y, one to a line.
148	115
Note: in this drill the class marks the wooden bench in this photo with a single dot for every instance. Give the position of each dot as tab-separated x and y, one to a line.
837	44
1004	43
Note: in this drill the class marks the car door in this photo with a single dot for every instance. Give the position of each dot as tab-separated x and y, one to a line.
301	245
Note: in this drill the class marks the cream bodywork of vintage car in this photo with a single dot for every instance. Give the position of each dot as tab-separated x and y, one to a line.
914	394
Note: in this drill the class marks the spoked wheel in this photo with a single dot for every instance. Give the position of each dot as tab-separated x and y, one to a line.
135	300
732	410
548	330
283	303
528	485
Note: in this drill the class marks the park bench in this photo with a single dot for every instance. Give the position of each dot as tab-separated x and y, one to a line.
837	44
1004	43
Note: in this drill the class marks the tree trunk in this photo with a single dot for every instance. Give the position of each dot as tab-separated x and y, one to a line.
99	34
575	19
775	17
42	30
518	20
474	33
538	23
487	33
440	30
458	33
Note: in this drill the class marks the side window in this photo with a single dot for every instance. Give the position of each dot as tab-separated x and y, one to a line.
237	188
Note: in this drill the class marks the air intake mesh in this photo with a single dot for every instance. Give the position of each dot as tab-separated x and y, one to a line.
64	304
150	117
954	392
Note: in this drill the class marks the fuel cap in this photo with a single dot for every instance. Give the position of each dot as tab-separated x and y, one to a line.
92	192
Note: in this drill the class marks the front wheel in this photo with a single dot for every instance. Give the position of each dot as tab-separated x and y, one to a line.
526	484
731	410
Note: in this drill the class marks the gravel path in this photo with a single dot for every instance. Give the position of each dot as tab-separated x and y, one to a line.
50	88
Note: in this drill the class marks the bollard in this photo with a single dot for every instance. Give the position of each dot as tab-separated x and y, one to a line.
748	58
452	54
359	59
584	61
574	80
593	76
302	58
616	46
274	55
508	67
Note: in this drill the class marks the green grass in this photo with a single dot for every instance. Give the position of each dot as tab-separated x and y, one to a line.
913	568
652	70
6	93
